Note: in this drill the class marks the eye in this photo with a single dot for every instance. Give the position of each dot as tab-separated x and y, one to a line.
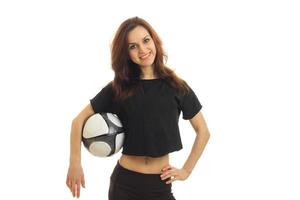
132	47
147	40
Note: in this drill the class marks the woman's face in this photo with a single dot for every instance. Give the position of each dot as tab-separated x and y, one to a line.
141	47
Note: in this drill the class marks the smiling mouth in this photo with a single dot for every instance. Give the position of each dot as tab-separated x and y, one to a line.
144	57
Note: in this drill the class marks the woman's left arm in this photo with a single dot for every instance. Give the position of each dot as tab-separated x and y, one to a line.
201	139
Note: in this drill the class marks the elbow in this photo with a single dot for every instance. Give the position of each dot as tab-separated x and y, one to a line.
77	121
208	135
204	134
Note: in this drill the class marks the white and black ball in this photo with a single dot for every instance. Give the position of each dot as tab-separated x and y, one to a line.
103	134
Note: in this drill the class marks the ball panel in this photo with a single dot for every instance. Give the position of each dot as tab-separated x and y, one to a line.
103	134
101	149
95	126
119	141
113	118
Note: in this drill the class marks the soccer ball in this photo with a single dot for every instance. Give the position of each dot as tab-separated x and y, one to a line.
103	134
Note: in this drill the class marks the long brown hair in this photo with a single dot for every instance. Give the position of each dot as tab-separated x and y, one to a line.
127	73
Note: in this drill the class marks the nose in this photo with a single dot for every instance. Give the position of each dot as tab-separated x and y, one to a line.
142	49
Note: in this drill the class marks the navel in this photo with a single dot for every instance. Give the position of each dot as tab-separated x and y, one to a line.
146	160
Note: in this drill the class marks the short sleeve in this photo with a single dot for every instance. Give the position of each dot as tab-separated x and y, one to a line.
189	104
103	101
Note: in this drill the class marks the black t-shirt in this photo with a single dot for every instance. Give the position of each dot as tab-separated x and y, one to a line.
150	117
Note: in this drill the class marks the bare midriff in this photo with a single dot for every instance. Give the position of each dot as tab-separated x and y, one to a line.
144	164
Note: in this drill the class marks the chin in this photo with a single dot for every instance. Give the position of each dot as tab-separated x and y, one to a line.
149	63
146	64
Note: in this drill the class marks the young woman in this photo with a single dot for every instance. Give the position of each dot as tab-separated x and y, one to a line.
148	97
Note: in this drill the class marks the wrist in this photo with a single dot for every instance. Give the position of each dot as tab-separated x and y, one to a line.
75	161
187	171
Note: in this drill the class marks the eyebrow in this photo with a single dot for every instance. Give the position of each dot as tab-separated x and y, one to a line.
136	43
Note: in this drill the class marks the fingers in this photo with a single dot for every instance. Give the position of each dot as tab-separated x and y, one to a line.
171	179
169	173
166	168
83	182
74	186
77	189
68	182
75	179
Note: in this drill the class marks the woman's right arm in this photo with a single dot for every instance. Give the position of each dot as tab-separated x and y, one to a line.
75	176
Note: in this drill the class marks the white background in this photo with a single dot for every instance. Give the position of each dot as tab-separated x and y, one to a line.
240	57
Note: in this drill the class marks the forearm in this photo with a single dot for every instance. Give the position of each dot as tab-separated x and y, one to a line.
197	149
75	142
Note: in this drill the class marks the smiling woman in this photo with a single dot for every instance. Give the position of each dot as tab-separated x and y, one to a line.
148	97
141	48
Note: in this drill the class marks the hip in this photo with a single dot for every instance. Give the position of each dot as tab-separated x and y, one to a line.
128	184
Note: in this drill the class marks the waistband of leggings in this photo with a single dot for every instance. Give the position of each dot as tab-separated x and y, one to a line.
137	179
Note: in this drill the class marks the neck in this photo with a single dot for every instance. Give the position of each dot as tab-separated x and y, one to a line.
147	72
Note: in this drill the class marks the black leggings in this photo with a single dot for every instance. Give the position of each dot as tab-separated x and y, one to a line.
126	184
